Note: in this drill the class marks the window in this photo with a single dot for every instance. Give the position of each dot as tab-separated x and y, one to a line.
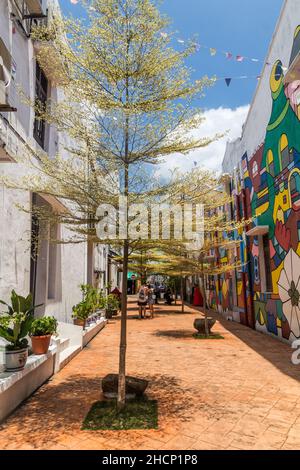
254	169
41	89
295	188
265	264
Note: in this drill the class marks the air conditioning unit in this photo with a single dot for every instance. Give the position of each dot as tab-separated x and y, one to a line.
36	7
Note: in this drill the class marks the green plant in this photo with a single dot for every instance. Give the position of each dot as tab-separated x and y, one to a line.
81	311
93	298
112	303
43	326
15	324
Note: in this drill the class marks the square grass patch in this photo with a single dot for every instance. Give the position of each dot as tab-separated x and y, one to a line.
138	414
211	336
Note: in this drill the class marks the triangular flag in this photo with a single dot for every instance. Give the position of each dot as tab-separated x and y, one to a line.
228	81
213	51
197	46
255	60
228	55
181	41
239	58
74	1
164	35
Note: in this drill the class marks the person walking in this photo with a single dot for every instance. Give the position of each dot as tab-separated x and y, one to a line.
151	300
142	301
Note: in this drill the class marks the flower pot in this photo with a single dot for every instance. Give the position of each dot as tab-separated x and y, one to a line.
15	360
40	344
199	325
114	313
79	322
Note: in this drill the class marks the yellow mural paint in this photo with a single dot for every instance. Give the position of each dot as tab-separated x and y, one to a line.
281	205
275	278
262	209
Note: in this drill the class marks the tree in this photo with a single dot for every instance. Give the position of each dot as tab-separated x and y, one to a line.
128	103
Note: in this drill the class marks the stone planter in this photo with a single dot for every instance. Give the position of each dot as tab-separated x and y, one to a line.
134	387
15	360
40	344
199	325
79	322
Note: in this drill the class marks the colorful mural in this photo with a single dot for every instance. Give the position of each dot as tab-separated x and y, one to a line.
270	294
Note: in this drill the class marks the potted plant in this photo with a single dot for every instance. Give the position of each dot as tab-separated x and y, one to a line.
41	331
112	305
14	327
80	314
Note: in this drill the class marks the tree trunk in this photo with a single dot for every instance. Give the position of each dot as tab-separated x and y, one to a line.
181	294
123	342
204	300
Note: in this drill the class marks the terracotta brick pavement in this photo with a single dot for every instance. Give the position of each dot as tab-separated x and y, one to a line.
238	393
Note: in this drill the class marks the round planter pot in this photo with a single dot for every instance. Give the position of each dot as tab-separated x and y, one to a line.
40	344
78	322
15	360
199	324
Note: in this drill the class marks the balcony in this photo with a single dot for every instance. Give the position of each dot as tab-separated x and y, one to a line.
5	77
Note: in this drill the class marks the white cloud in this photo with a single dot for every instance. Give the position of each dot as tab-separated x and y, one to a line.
217	121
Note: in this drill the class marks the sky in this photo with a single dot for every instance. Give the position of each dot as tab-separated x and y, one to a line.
241	27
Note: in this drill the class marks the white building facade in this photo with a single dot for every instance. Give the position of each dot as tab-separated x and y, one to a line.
54	276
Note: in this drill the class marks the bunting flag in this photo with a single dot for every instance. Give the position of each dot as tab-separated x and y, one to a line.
229	55
228	80
74	1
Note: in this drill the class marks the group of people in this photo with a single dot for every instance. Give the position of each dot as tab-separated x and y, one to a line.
146	299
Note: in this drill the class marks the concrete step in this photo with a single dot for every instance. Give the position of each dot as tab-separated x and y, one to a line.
64	343
67	355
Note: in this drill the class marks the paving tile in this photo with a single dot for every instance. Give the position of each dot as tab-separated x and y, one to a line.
239	393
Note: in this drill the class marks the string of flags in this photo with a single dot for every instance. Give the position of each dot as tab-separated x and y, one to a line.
229	56
213	52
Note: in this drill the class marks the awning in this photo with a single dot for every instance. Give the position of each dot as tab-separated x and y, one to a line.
34	6
258	230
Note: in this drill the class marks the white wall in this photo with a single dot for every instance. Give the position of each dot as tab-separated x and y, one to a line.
15	226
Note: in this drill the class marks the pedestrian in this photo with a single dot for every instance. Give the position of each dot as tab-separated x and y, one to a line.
142	301
151	300
157	293
168	296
